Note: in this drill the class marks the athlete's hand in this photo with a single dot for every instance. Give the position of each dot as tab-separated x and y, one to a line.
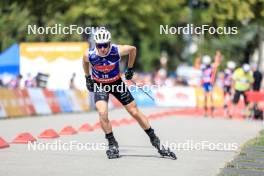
129	73
89	83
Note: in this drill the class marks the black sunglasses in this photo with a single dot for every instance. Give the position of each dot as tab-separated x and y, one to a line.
102	45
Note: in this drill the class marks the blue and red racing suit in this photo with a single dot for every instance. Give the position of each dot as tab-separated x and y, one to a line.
105	69
106	73
207	72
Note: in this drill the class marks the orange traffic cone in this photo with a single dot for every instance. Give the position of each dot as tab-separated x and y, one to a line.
49	133
85	128
124	121
3	143
24	138
97	125
115	123
68	130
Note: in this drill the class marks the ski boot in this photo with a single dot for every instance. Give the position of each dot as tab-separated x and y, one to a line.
161	149
112	151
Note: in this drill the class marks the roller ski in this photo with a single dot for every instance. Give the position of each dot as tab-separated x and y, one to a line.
161	149
113	150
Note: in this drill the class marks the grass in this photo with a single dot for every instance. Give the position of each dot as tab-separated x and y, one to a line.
257	141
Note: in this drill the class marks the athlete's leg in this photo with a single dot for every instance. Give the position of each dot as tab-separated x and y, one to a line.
124	96
102	109
227	97
248	106
228	105
205	87
205	103
101	103
133	110
128	102
212	102
235	101
143	122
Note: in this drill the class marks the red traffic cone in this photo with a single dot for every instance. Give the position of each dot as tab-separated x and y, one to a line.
124	121
24	138
85	128
97	125
132	120
153	116
49	133
114	123
68	130
3	143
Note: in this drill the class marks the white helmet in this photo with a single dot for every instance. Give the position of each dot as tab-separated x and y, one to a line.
102	36
246	67
231	65
206	59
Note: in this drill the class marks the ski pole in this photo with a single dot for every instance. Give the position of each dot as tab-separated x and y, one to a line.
140	88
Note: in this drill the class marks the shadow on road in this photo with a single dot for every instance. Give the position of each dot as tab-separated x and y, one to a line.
145	156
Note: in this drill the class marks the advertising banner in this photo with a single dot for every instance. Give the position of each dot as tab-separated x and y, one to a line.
64	103
73	100
218	97
39	101
25	102
10	102
58	60
52	100
83	99
2	110
178	96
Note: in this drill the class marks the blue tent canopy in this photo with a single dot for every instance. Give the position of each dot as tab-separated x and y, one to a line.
9	60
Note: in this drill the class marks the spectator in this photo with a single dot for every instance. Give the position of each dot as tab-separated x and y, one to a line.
256	110
257	78
72	82
243	80
1	83
15	83
160	77
30	82
227	82
207	84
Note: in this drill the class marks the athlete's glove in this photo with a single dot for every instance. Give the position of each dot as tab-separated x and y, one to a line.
129	73
89	83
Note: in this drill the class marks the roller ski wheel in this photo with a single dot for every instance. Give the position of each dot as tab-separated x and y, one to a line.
112	153
161	149
167	153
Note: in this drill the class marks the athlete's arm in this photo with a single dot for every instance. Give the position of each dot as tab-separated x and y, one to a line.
129	50
86	68
86	65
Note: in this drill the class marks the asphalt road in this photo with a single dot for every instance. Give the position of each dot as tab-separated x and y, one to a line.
138	157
